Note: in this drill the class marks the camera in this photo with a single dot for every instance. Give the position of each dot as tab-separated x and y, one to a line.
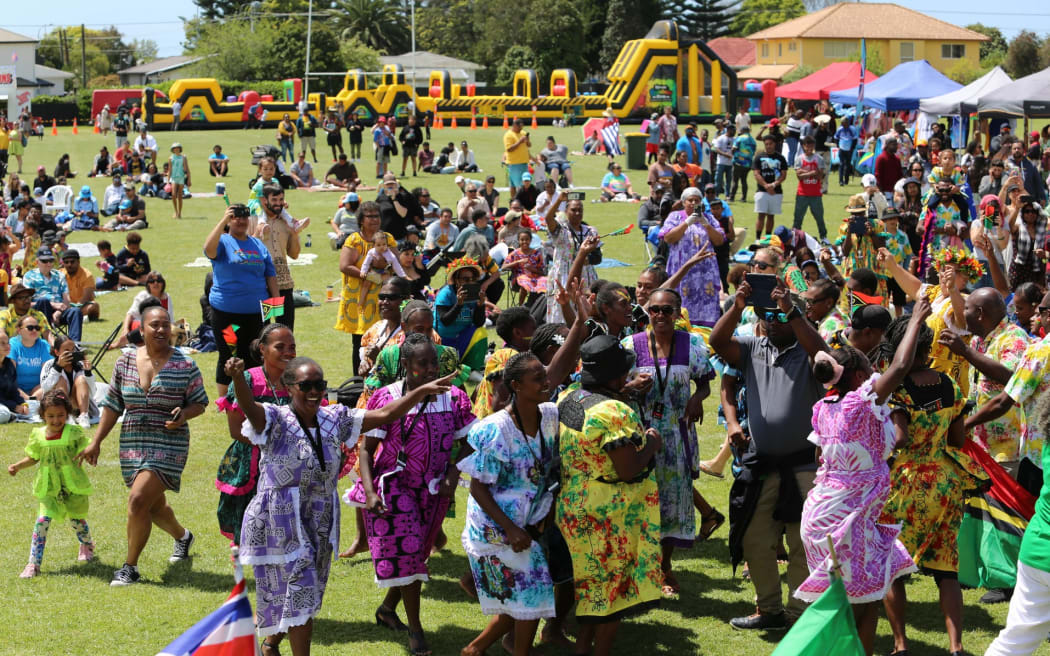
577	195
240	210
77	355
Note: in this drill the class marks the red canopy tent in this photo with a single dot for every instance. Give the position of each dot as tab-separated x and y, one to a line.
833	77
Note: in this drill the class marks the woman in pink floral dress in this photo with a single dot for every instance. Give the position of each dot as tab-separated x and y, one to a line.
853	430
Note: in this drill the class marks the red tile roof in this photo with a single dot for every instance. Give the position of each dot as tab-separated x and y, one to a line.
737	52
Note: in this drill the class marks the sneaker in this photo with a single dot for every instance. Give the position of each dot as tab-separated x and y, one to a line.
126	575
777	622
86	554
84	421
182	549
997	596
30	571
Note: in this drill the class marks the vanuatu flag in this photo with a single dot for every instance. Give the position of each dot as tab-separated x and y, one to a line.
272	307
827	627
992	527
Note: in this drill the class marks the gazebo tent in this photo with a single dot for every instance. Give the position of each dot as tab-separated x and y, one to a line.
818	86
901	88
1029	96
964	101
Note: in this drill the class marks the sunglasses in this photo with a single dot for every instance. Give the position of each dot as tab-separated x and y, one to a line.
770	317
307	386
153	280
662	309
762	266
32	328
390	297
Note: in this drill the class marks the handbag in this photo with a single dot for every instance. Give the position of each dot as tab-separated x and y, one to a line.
350	391
393	148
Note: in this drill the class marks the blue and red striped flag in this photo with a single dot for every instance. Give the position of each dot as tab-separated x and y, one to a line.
229	631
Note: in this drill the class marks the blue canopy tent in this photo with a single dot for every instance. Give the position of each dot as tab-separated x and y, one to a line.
901	88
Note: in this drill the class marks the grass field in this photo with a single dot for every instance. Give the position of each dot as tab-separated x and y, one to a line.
70	608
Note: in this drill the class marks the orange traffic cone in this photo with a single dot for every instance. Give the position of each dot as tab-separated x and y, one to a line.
534	124
453	122
96	130
473	122
485	122
54	127
75	130
438	123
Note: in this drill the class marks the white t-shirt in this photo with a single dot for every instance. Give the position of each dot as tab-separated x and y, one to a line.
724	142
440	237
149	143
742	120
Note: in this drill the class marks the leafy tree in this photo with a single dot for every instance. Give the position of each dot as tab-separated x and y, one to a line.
447	27
287	56
817	5
1022	55
379	24
238	53
615	32
756	15
797	73
355	54
874	63
995	45
143	50
61	48
517	57
214	9
964	72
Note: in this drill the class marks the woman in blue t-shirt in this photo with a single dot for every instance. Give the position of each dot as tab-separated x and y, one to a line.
459	314
243	276
29	353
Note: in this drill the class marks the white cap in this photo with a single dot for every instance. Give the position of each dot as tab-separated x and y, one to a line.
869	181
459	178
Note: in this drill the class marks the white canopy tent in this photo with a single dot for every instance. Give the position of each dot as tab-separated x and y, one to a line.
963	102
1028	97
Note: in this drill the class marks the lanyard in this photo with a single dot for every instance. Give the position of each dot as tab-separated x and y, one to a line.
661	381
542	456
315	440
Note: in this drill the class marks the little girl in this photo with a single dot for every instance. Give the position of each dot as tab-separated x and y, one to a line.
61	484
179	173
373	262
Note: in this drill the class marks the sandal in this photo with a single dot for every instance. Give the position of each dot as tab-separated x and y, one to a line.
710	523
671	587
389	619
269	649
421	648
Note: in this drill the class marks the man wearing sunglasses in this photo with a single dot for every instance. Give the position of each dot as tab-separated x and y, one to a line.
778	463
20	303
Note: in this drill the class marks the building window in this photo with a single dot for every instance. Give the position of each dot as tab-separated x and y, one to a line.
907	51
780	50
792	46
953	50
765	49
840	49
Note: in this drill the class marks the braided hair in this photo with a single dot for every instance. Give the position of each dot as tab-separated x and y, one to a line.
546	336
517	365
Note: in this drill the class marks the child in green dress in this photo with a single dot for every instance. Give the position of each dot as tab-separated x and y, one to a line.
61	484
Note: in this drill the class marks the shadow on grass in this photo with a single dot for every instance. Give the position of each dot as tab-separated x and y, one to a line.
927	616
182	575
95	570
443	639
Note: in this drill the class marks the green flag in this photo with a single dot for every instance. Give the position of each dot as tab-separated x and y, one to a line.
827	627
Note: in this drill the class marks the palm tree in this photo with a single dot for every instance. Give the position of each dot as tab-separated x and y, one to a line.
380	24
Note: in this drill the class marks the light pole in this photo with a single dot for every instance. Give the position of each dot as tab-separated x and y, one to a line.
309	31
413	45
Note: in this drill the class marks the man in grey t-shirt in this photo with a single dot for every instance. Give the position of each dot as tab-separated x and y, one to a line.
556	158
779	463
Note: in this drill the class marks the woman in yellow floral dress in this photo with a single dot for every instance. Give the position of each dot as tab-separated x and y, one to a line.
955	267
609	507
356	318
929	477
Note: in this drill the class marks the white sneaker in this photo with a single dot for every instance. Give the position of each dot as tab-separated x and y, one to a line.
84	421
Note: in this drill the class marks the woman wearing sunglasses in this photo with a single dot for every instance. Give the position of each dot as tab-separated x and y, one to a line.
674	359
29	353
156	288
291	527
406	489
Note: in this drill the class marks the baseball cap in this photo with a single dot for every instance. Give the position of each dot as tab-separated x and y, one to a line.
460	178
70	253
463	143
784	234
1034	134
40	168
125	204
526	176
44	254
85	192
351	197
869	180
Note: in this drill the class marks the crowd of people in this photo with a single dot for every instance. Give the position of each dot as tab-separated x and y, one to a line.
854	378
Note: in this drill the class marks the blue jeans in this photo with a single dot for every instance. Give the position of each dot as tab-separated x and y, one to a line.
792	144
723	178
71	317
287	149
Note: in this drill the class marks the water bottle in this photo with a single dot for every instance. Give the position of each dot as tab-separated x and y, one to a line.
309	240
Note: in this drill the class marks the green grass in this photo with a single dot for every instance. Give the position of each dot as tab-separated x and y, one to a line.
70	608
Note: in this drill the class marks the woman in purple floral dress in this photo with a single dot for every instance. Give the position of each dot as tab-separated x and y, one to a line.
291	526
855	435
687	232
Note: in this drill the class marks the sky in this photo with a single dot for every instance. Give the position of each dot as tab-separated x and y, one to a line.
161	23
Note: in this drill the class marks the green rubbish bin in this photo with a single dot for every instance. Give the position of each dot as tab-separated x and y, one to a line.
636	150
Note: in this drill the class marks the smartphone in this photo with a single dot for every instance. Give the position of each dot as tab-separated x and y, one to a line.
77	355
577	195
473	290
1025	198
858	225
762	286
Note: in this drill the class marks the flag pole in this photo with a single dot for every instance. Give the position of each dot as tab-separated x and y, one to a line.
836	567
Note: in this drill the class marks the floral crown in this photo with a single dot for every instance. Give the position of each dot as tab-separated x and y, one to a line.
962	259
462	263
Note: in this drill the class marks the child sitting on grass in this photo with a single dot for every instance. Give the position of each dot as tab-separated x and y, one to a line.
61	484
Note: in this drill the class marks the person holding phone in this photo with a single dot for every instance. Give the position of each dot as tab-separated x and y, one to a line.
689	231
459	313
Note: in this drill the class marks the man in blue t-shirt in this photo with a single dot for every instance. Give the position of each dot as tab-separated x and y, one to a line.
744	147
846	136
218	162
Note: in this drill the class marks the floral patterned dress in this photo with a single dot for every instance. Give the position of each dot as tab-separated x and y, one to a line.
856	437
612	526
1000	437
566	243
928	477
356	318
530	275
701	285
941	358
678	462
291	526
515	467
1030	381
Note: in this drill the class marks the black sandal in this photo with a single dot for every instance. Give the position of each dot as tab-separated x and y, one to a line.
269	649
421	648
389	619
710	523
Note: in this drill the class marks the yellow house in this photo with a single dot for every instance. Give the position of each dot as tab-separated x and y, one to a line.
893	33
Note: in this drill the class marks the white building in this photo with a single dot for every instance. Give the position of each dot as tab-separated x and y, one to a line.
18	80
158	70
461	71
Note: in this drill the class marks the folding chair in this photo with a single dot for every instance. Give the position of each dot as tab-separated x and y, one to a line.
103	348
